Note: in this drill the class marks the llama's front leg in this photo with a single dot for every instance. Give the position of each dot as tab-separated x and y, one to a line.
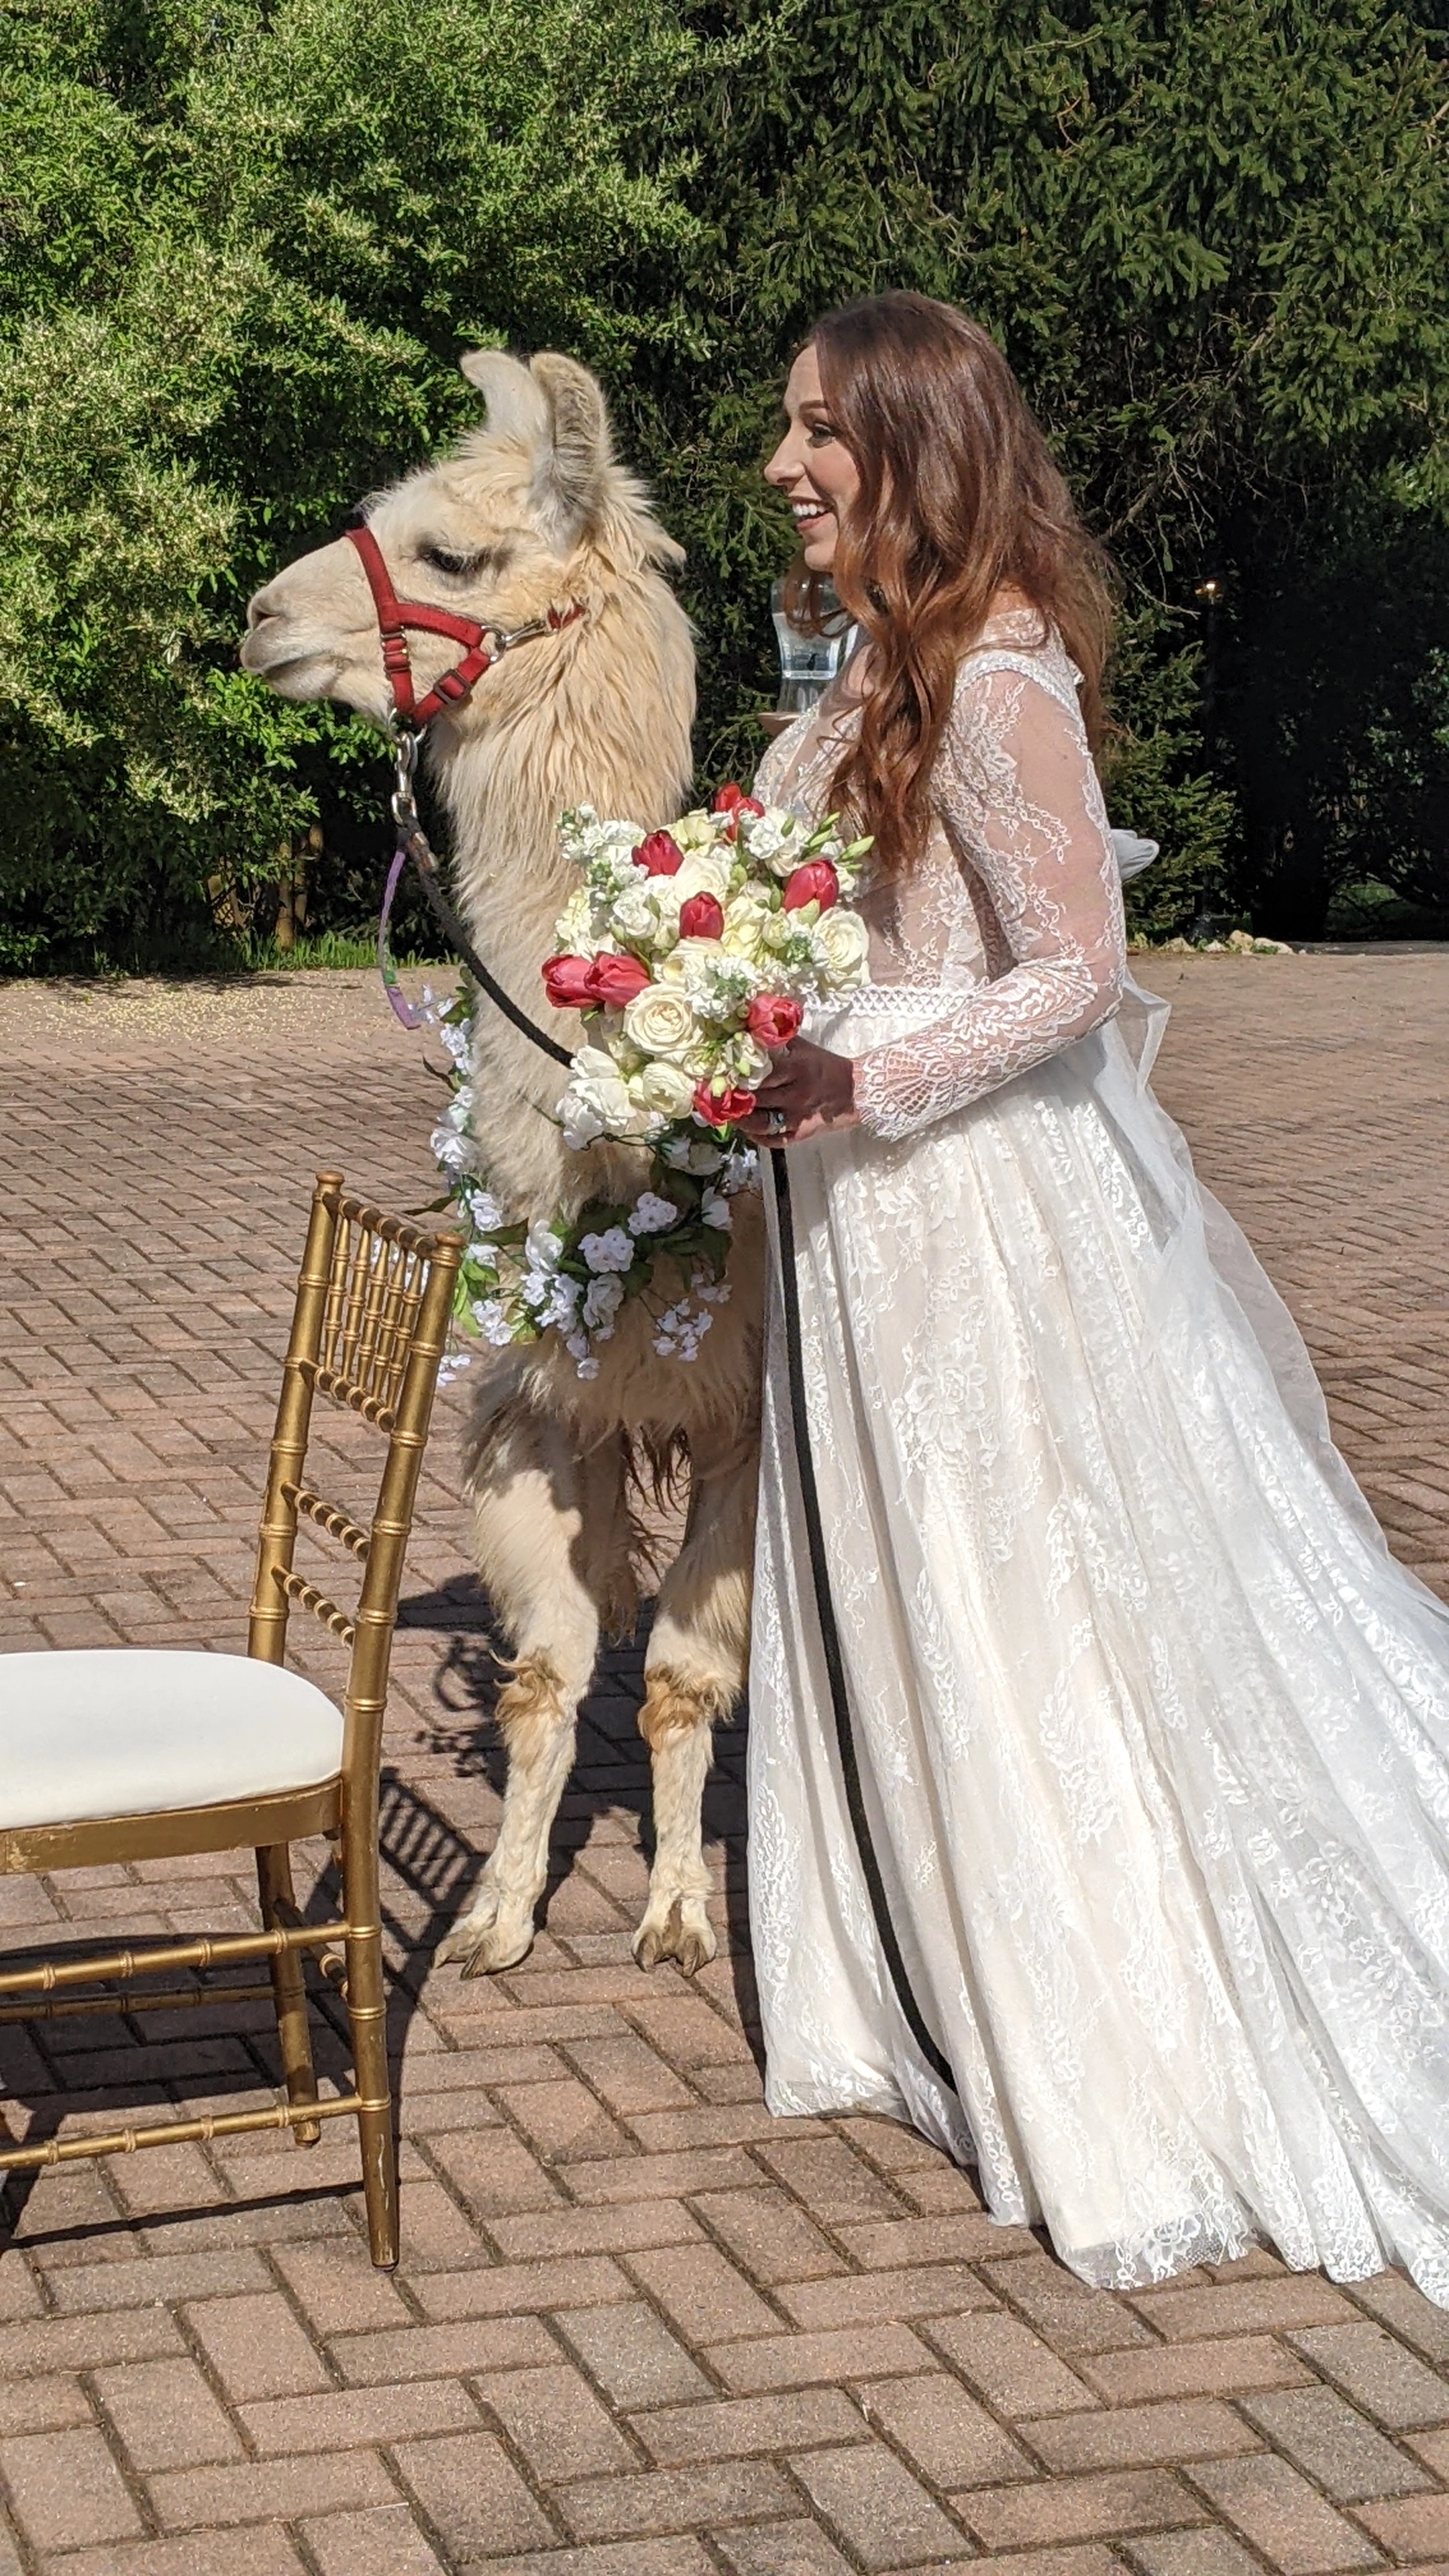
537	1510
695	1671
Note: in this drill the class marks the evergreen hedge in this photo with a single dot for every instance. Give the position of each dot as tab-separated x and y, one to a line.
244	245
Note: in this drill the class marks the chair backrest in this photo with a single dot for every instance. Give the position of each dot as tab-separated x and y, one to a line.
374	1298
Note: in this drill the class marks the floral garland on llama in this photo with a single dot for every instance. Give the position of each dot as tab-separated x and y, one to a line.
693	954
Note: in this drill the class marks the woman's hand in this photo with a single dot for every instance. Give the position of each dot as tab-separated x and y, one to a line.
810	1089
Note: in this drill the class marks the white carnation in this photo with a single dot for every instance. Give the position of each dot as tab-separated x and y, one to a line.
751	1061
775	839
574	928
634	913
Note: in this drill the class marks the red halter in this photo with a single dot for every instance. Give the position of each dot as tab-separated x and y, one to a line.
394	615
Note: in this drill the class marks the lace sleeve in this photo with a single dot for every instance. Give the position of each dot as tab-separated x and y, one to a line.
1018	795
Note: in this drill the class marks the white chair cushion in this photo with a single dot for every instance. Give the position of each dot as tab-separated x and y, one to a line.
129	1731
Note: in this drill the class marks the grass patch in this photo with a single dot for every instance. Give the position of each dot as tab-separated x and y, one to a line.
334	949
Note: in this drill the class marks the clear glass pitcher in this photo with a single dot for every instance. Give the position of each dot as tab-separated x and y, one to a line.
808	663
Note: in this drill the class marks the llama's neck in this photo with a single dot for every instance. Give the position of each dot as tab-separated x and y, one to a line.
598	715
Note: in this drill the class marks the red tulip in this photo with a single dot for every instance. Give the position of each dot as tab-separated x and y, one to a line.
816	882
615	980
733	801
568	982
773	1020
660	855
721	1108
701	918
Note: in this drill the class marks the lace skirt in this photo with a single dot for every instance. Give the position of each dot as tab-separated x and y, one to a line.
1153	1733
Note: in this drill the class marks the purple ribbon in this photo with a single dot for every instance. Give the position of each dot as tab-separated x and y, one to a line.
403	1008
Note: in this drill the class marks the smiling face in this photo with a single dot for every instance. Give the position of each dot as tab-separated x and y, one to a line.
811	466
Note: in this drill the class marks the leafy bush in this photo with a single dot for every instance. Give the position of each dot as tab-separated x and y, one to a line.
244	244
1211	243
244	247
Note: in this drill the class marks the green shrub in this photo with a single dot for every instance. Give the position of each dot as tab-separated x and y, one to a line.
245	243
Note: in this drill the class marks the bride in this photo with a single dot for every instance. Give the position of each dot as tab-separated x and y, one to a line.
1099	1768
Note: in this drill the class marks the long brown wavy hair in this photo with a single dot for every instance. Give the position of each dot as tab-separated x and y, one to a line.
959	499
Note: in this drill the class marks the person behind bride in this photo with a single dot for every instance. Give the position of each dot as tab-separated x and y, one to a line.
1144	1908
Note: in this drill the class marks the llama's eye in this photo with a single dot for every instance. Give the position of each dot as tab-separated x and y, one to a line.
457	567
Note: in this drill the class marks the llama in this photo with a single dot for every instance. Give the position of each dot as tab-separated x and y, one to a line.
532	512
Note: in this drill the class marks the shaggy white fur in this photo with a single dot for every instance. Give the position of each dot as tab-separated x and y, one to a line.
529	513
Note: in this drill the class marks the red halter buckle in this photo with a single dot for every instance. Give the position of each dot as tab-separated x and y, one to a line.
395	615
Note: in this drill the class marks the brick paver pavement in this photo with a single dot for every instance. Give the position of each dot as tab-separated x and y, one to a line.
641	2329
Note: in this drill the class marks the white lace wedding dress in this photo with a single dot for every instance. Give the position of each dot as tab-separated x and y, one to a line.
1154	1734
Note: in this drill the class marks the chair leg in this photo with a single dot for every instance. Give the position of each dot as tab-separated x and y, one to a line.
289	1991
367	2014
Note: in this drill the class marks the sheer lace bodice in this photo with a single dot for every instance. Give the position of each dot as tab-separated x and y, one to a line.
1015	910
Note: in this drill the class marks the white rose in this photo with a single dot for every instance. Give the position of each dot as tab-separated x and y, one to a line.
449	1148
593	1064
602	1302
703	872
663	1088
660	1021
580	1120
695	830
716	1211
746	914
542	1247
841	944
597	1102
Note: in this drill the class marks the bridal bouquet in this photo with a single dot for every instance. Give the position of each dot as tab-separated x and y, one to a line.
695	951
693	954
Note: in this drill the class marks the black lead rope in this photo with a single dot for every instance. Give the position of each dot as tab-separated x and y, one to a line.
425	867
830	1637
426	872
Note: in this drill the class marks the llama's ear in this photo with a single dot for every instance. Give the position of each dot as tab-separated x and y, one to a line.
516	406
569	474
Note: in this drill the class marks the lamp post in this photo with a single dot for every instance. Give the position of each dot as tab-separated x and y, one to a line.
808	662
1209	596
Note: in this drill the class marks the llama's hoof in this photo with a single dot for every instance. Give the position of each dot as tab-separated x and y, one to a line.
486	1940
684	1934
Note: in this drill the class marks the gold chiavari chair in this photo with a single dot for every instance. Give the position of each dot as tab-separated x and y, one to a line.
128	1754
